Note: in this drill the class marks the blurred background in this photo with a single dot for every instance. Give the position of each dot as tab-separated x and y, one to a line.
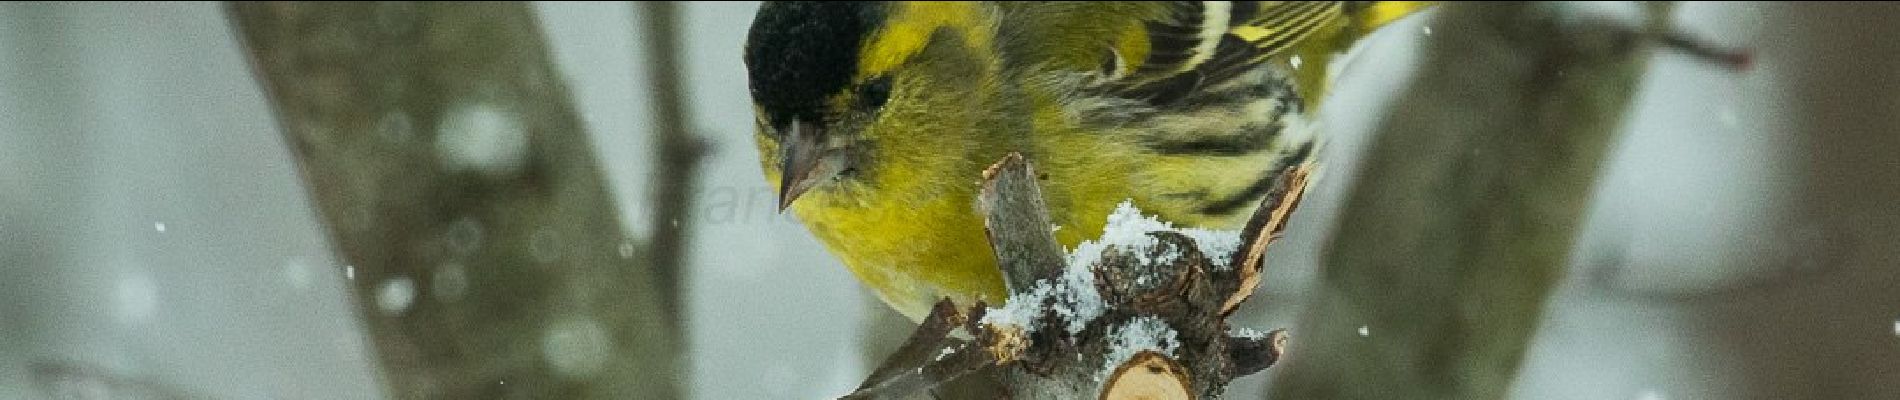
154	228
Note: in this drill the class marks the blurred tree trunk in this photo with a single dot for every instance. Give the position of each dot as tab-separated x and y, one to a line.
1463	213
678	151
1826	330
454	177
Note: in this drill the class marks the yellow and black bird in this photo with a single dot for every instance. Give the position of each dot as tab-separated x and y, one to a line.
876	119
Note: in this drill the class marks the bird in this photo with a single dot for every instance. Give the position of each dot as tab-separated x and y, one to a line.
875	120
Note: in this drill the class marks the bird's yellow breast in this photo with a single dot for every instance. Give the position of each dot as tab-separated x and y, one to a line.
913	249
911	253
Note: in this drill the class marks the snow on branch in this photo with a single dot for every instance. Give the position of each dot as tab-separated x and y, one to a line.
1139	313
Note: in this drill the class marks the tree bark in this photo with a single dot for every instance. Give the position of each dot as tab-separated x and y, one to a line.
1465	208
453	175
1831	319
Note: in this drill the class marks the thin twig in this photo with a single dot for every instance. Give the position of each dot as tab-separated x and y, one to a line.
679	152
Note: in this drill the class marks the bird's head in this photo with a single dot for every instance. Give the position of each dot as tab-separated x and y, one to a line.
842	92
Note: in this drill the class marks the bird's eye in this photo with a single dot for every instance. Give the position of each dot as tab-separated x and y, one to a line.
873	94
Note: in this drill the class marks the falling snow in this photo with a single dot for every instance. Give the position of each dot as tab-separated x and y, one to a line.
485	137
1729	117
395	295
576	347
137	298
449	282
297	272
626	248
395	127
464	236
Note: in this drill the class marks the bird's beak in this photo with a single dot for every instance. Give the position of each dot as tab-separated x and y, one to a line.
805	162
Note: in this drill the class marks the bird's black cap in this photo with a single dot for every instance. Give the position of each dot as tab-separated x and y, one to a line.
799	52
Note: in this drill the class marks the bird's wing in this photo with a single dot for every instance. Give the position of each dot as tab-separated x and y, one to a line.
1191	44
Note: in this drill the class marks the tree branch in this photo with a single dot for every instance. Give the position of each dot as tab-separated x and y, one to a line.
1018	224
1466	207
453	175
678	152
1139	313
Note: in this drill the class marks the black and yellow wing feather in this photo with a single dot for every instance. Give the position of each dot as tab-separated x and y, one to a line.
1192	44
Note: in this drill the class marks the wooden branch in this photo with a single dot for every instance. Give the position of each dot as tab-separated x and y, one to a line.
1466	207
1139	314
1263	228
924	346
452	173
1017	224
1149	375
